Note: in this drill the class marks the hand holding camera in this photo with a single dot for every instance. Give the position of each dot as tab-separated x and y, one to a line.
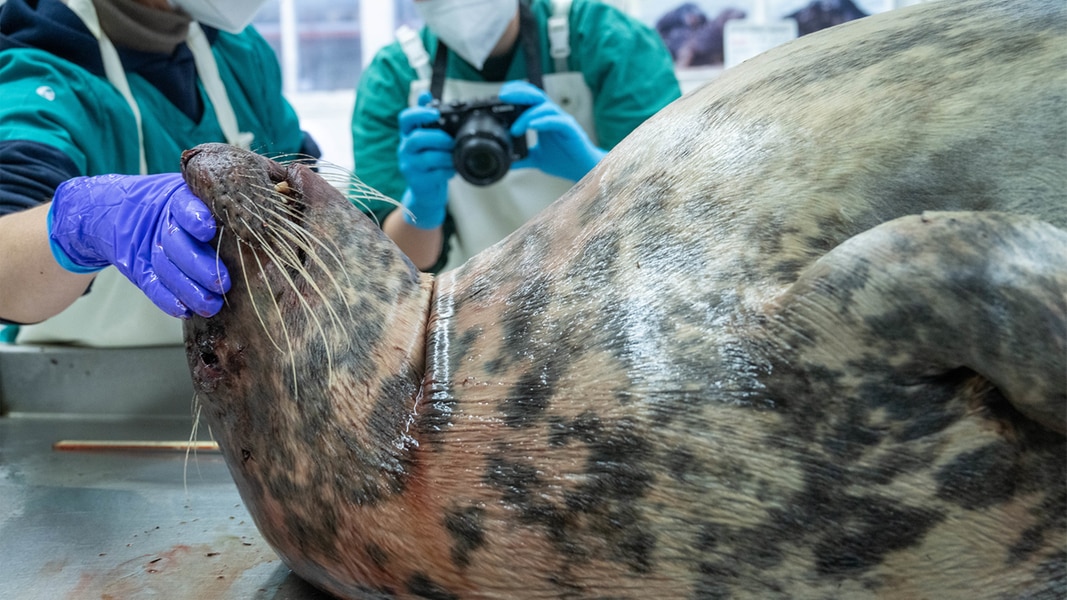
486	138
484	149
425	156
563	148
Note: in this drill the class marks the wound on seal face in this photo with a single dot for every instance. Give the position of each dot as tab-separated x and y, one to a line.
801	335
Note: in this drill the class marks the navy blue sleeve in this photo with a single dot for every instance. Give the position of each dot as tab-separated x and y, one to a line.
30	172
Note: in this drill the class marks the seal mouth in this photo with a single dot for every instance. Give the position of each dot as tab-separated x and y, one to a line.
292	208
275	221
259	200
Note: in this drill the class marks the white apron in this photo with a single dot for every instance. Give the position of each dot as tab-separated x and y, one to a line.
484	215
117	313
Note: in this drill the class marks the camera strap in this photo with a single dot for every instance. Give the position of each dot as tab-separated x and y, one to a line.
528	43
531	46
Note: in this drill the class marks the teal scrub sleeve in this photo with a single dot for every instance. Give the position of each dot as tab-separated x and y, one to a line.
381	95
626	65
50	101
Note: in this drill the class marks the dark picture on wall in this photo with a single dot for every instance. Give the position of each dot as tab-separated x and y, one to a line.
694	30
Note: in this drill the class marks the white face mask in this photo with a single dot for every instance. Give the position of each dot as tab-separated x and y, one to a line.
470	28
228	15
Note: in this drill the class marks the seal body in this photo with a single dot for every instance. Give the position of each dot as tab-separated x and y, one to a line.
801	335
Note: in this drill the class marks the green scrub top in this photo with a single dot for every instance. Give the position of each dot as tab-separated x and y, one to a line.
51	101
625	64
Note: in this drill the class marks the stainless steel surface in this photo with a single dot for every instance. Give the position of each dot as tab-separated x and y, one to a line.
102	381
119	524
126	524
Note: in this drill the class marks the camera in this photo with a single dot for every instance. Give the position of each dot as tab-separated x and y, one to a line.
484	147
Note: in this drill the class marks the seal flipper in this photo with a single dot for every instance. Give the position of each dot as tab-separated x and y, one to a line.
930	293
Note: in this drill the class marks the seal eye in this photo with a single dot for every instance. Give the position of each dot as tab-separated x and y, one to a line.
209	358
205	346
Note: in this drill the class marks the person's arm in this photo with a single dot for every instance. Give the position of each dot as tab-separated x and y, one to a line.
150	227
425	156
381	96
58	228
422	246
33	286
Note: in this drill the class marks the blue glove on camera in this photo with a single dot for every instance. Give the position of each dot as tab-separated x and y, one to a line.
151	227
425	156
563	148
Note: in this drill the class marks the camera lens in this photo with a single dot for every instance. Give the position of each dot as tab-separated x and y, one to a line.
483	150
481	161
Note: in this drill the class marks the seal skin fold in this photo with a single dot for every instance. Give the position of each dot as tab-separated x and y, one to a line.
801	335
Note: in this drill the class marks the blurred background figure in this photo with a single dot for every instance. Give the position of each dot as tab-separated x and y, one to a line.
579	75
820	14
100	99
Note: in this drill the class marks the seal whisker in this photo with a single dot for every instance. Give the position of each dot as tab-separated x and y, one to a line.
279	260
342	178
310	244
288	218
252	297
288	158
358	191
192	439
284	325
280	201
303	240
221	231
284	229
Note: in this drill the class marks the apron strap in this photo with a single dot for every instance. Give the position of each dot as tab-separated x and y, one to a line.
440	65
531	46
559	34
208	70
206	67
112	67
418	57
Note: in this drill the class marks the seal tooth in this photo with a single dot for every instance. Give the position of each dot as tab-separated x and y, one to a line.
282	187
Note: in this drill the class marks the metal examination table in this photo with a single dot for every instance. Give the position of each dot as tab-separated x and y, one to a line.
119	524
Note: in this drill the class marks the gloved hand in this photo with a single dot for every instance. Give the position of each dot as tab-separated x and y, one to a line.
425	156
563	148
151	227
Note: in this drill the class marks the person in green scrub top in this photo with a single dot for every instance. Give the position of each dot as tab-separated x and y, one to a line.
100	97
583	74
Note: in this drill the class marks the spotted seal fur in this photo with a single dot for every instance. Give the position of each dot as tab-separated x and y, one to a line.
801	335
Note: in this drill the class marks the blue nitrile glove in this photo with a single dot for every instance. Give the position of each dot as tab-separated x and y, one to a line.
425	156
563	148
151	227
